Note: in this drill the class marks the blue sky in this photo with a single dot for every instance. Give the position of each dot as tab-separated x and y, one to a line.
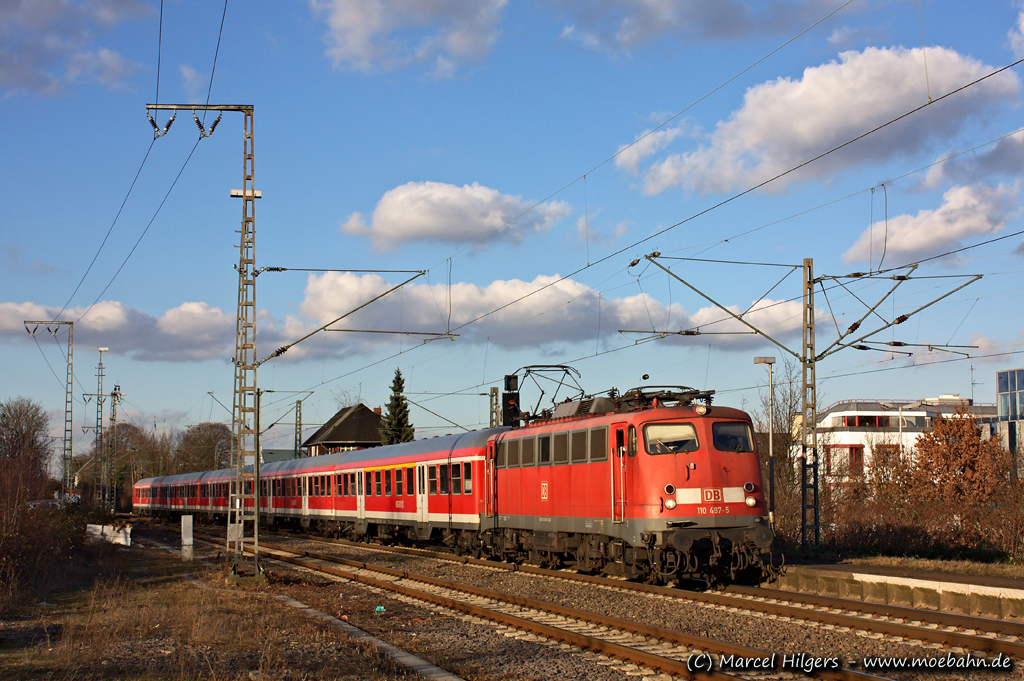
491	144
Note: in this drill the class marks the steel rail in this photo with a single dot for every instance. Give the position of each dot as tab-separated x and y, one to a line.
795	611
661	633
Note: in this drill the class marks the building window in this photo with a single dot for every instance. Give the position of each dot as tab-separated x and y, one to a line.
856	460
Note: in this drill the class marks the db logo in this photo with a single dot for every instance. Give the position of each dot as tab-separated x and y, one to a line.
543	490
711	495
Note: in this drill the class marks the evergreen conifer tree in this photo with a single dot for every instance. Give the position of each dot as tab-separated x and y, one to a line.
394	424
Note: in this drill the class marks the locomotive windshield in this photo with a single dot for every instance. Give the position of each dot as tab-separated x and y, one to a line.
670	438
732	436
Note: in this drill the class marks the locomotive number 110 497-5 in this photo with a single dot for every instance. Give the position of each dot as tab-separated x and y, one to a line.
712	510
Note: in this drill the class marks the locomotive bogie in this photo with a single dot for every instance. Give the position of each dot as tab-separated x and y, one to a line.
662	494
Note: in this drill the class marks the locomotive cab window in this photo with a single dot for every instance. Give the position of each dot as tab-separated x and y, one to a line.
670	438
732	436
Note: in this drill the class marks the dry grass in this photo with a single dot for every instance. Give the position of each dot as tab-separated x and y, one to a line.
963	567
153	625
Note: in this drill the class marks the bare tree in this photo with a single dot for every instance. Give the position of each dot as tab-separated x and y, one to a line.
25	453
202	447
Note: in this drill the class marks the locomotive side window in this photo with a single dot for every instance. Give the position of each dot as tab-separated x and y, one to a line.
432	479
526	451
398	482
561	446
732	436
599	444
408	482
579	446
467	476
631	451
444	478
670	438
456	478
513	453
544	449
500	454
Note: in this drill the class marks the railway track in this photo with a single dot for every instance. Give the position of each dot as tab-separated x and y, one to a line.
642	647
928	628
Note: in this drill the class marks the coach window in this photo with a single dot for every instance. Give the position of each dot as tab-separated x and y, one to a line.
369	484
527	451
344	483
467	477
599	444
578	446
376	484
316	486
513	453
444	478
501	455
409	487
561	447
387	483
398	482
671	438
544	449
432	479
456	478
327	479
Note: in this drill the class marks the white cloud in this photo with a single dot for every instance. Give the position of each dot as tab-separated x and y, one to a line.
371	35
647	143
1016	36
46	45
628	24
1005	157
785	122
434	211
965	212
192	83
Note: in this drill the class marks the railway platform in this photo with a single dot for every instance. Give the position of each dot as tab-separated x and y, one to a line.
976	595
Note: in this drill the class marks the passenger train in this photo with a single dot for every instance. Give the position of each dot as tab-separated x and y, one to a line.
646	484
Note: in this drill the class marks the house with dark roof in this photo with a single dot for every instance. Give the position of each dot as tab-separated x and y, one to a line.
355	427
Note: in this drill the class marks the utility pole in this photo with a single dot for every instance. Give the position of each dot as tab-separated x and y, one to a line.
810	524
97	472
244	484
298	428
53	327
495	407
110	457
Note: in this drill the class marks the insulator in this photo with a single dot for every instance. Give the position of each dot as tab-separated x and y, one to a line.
199	124
902	318
656	254
896	344
156	128
635	263
860	347
170	122
216	122
853	327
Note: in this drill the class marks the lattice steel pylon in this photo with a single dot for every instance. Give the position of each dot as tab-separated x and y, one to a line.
810	523
298	429
244	488
52	326
244	497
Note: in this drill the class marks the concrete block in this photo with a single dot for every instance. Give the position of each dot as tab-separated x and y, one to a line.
1013	608
875	592
789	581
851	588
986	606
828	585
926	598
900	594
955	601
809	581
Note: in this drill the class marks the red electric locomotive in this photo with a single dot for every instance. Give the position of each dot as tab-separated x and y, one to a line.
647	484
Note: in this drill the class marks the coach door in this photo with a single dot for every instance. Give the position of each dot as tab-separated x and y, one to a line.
305	482
360	496
422	512
618	473
488	481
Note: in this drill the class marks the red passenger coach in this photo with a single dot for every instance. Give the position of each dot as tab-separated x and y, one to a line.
647	484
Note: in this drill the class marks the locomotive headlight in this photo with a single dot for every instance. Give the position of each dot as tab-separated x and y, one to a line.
670	504
751	501
748	487
701	409
670	489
